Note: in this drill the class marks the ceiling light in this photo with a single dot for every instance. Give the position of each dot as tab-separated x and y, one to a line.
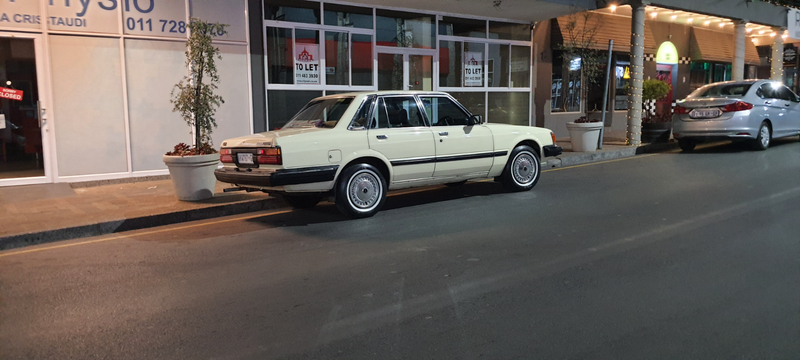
772	34
613	8
707	22
653	15
784	36
761	32
721	24
674	17
748	30
689	20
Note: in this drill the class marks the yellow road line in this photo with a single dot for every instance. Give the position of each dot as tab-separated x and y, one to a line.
246	217
144	233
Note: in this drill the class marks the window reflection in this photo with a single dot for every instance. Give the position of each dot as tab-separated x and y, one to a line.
509	108
294	11
401	29
337	58
280	63
350	16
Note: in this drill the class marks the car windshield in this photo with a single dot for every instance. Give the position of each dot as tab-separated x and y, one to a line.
320	113
721	90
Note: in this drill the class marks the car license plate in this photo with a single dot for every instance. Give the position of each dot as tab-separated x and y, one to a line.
705	114
245	158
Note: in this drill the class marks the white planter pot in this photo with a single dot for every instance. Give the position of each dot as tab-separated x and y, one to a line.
584	136
193	176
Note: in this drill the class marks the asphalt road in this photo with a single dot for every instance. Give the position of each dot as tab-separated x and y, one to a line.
668	256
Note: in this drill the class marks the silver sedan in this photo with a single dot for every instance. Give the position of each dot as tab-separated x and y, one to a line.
752	110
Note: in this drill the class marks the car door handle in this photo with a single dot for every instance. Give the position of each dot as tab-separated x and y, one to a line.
767	102
788	104
382	137
443	133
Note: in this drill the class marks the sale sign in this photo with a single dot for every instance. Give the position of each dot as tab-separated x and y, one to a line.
306	64
12	94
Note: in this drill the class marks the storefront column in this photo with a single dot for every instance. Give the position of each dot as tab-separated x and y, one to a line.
776	71
637	72
738	50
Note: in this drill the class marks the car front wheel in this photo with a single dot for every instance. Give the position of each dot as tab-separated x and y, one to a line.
523	169
763	138
360	191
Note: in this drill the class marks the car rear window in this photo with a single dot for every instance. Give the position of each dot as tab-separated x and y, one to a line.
324	113
722	90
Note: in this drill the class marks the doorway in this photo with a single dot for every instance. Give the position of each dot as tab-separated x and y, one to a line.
400	69
665	72
23	131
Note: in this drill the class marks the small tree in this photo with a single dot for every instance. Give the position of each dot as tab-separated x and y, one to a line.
193	97
579	41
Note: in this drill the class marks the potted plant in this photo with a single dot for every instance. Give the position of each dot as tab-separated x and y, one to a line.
192	167
584	133
655	125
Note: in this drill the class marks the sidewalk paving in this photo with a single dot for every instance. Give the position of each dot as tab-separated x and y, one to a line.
35	214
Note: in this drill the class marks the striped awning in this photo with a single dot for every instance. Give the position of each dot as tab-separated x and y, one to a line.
607	27
715	46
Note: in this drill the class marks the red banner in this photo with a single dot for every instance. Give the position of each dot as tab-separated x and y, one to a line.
12	94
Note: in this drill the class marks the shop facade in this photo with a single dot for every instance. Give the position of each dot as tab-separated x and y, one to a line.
86	85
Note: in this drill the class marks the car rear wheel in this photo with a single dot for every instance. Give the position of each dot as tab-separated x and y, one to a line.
523	169
687	145
302	201
764	136
360	191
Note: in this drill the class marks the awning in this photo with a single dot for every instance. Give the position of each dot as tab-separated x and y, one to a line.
710	45
608	27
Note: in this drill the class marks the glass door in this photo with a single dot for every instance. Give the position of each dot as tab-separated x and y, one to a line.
405	71
23	141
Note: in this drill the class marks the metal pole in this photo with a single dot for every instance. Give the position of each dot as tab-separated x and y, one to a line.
605	95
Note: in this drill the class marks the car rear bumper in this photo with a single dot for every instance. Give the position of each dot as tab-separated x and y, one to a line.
739	125
552	150
274	178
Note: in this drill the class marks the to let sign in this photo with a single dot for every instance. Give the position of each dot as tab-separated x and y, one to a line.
12	94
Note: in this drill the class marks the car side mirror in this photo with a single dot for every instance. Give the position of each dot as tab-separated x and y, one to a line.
475	120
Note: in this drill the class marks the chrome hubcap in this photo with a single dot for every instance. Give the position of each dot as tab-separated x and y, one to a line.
764	136
524	169
364	190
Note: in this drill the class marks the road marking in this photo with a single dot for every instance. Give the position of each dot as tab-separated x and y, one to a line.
246	217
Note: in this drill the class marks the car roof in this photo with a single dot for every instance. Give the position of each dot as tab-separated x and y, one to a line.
383	92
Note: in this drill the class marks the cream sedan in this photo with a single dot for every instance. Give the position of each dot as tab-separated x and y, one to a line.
355	147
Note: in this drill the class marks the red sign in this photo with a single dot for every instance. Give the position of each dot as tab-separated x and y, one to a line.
12	94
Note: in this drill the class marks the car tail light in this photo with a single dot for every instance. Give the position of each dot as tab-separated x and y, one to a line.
269	156
737	106
225	156
681	110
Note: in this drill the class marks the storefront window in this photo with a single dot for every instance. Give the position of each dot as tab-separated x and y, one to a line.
622	81
520	66
293	11
362	59
565	92
280	66
450	63
284	104
350	16
337	58
473	64
462	27
509	31
401	29
509	108
497	67
475	102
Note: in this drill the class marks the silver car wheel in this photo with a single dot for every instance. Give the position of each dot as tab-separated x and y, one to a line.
764	136
364	190
524	169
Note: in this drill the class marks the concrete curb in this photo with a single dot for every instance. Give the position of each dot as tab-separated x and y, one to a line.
586	158
137	223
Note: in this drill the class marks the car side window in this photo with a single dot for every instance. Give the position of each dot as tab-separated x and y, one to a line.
397	111
444	112
767	91
787	94
362	116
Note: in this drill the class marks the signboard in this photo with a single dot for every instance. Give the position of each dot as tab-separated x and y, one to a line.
667	53
6	93
473	70
140	17
793	23
789	56
306	64
20	14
